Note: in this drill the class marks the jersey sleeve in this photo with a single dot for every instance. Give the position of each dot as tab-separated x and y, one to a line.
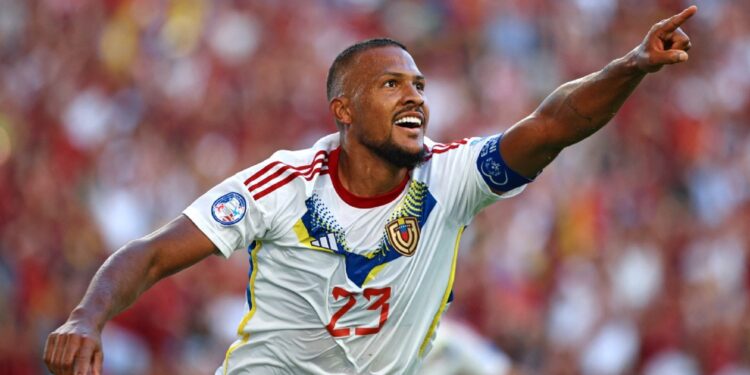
466	190
228	216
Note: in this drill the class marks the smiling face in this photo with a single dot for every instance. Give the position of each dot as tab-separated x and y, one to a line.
383	92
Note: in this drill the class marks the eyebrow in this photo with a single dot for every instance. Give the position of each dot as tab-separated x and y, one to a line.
418	77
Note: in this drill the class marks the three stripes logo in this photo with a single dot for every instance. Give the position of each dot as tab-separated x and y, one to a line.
327	242
403	235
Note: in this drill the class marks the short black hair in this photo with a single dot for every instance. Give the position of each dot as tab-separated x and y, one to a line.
347	55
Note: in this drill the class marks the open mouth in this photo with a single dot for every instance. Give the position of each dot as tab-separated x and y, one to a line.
410	122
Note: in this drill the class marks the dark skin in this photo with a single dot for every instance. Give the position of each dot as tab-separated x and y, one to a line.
579	108
381	87
75	347
385	85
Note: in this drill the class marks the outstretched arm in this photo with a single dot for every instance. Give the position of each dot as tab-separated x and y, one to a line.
579	108
75	347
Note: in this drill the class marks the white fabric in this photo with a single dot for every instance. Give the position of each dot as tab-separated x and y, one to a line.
293	276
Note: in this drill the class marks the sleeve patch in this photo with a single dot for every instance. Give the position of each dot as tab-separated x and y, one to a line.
492	167
229	209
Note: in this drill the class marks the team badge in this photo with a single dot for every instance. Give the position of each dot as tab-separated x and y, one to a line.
494	171
403	234
229	208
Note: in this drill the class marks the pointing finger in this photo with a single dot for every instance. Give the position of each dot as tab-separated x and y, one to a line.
672	23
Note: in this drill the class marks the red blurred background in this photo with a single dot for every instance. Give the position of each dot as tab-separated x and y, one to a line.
627	255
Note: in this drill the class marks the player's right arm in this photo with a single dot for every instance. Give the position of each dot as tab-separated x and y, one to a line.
75	347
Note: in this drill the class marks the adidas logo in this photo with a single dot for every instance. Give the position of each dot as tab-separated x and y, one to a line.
327	242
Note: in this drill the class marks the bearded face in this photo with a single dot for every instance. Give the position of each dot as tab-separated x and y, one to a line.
389	113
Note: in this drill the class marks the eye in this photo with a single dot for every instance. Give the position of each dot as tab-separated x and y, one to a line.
419	86
390	83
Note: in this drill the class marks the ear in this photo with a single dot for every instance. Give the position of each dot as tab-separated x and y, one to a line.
339	107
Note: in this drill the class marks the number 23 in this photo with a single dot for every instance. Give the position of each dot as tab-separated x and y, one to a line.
380	303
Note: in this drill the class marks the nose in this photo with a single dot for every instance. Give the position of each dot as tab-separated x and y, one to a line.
412	96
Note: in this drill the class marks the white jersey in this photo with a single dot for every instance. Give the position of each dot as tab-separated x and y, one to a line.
340	284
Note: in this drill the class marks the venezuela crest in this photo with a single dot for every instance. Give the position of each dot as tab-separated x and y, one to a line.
403	234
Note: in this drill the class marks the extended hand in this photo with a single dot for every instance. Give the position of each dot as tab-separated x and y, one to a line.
74	349
665	43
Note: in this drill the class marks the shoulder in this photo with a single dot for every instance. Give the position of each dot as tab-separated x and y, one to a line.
284	166
456	158
437	148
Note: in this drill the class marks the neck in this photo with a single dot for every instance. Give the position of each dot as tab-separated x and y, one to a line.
365	174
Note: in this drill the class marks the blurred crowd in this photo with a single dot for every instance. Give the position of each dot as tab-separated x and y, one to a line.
627	255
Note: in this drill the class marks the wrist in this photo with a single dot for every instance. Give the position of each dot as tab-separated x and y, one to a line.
82	315
631	63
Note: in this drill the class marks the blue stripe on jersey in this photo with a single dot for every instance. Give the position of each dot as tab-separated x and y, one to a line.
248	292
319	223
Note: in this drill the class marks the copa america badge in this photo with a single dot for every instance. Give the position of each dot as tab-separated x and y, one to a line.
229	208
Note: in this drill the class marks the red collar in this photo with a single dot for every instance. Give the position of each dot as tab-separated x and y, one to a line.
355	200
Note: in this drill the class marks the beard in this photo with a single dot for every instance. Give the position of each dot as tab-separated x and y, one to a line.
389	151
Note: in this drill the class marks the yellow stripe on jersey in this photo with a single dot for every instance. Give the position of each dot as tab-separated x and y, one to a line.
234	346
304	237
373	273
251	286
446	295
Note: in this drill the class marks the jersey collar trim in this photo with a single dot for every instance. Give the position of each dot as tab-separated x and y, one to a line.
355	200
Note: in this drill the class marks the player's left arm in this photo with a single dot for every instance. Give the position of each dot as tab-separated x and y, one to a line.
579	108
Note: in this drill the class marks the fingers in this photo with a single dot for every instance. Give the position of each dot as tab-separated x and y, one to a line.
55	353
70	350
72	354
97	365
657	60
84	358
674	57
678	43
49	351
680	40
57	357
672	23
666	43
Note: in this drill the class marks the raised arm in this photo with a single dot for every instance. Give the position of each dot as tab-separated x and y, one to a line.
75	347
579	108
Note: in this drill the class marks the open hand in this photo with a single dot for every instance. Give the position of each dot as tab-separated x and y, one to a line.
665	43
74	349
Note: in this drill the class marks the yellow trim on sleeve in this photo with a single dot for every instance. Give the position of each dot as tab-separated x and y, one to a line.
241	328
446	295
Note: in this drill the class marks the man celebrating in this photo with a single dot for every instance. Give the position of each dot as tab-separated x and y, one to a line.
353	241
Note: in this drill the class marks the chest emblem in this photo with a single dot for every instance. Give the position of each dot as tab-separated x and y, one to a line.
403	235
318	229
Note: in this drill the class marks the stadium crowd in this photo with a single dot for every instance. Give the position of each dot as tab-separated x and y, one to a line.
629	254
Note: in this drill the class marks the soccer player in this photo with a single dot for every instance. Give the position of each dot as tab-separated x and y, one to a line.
352	242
